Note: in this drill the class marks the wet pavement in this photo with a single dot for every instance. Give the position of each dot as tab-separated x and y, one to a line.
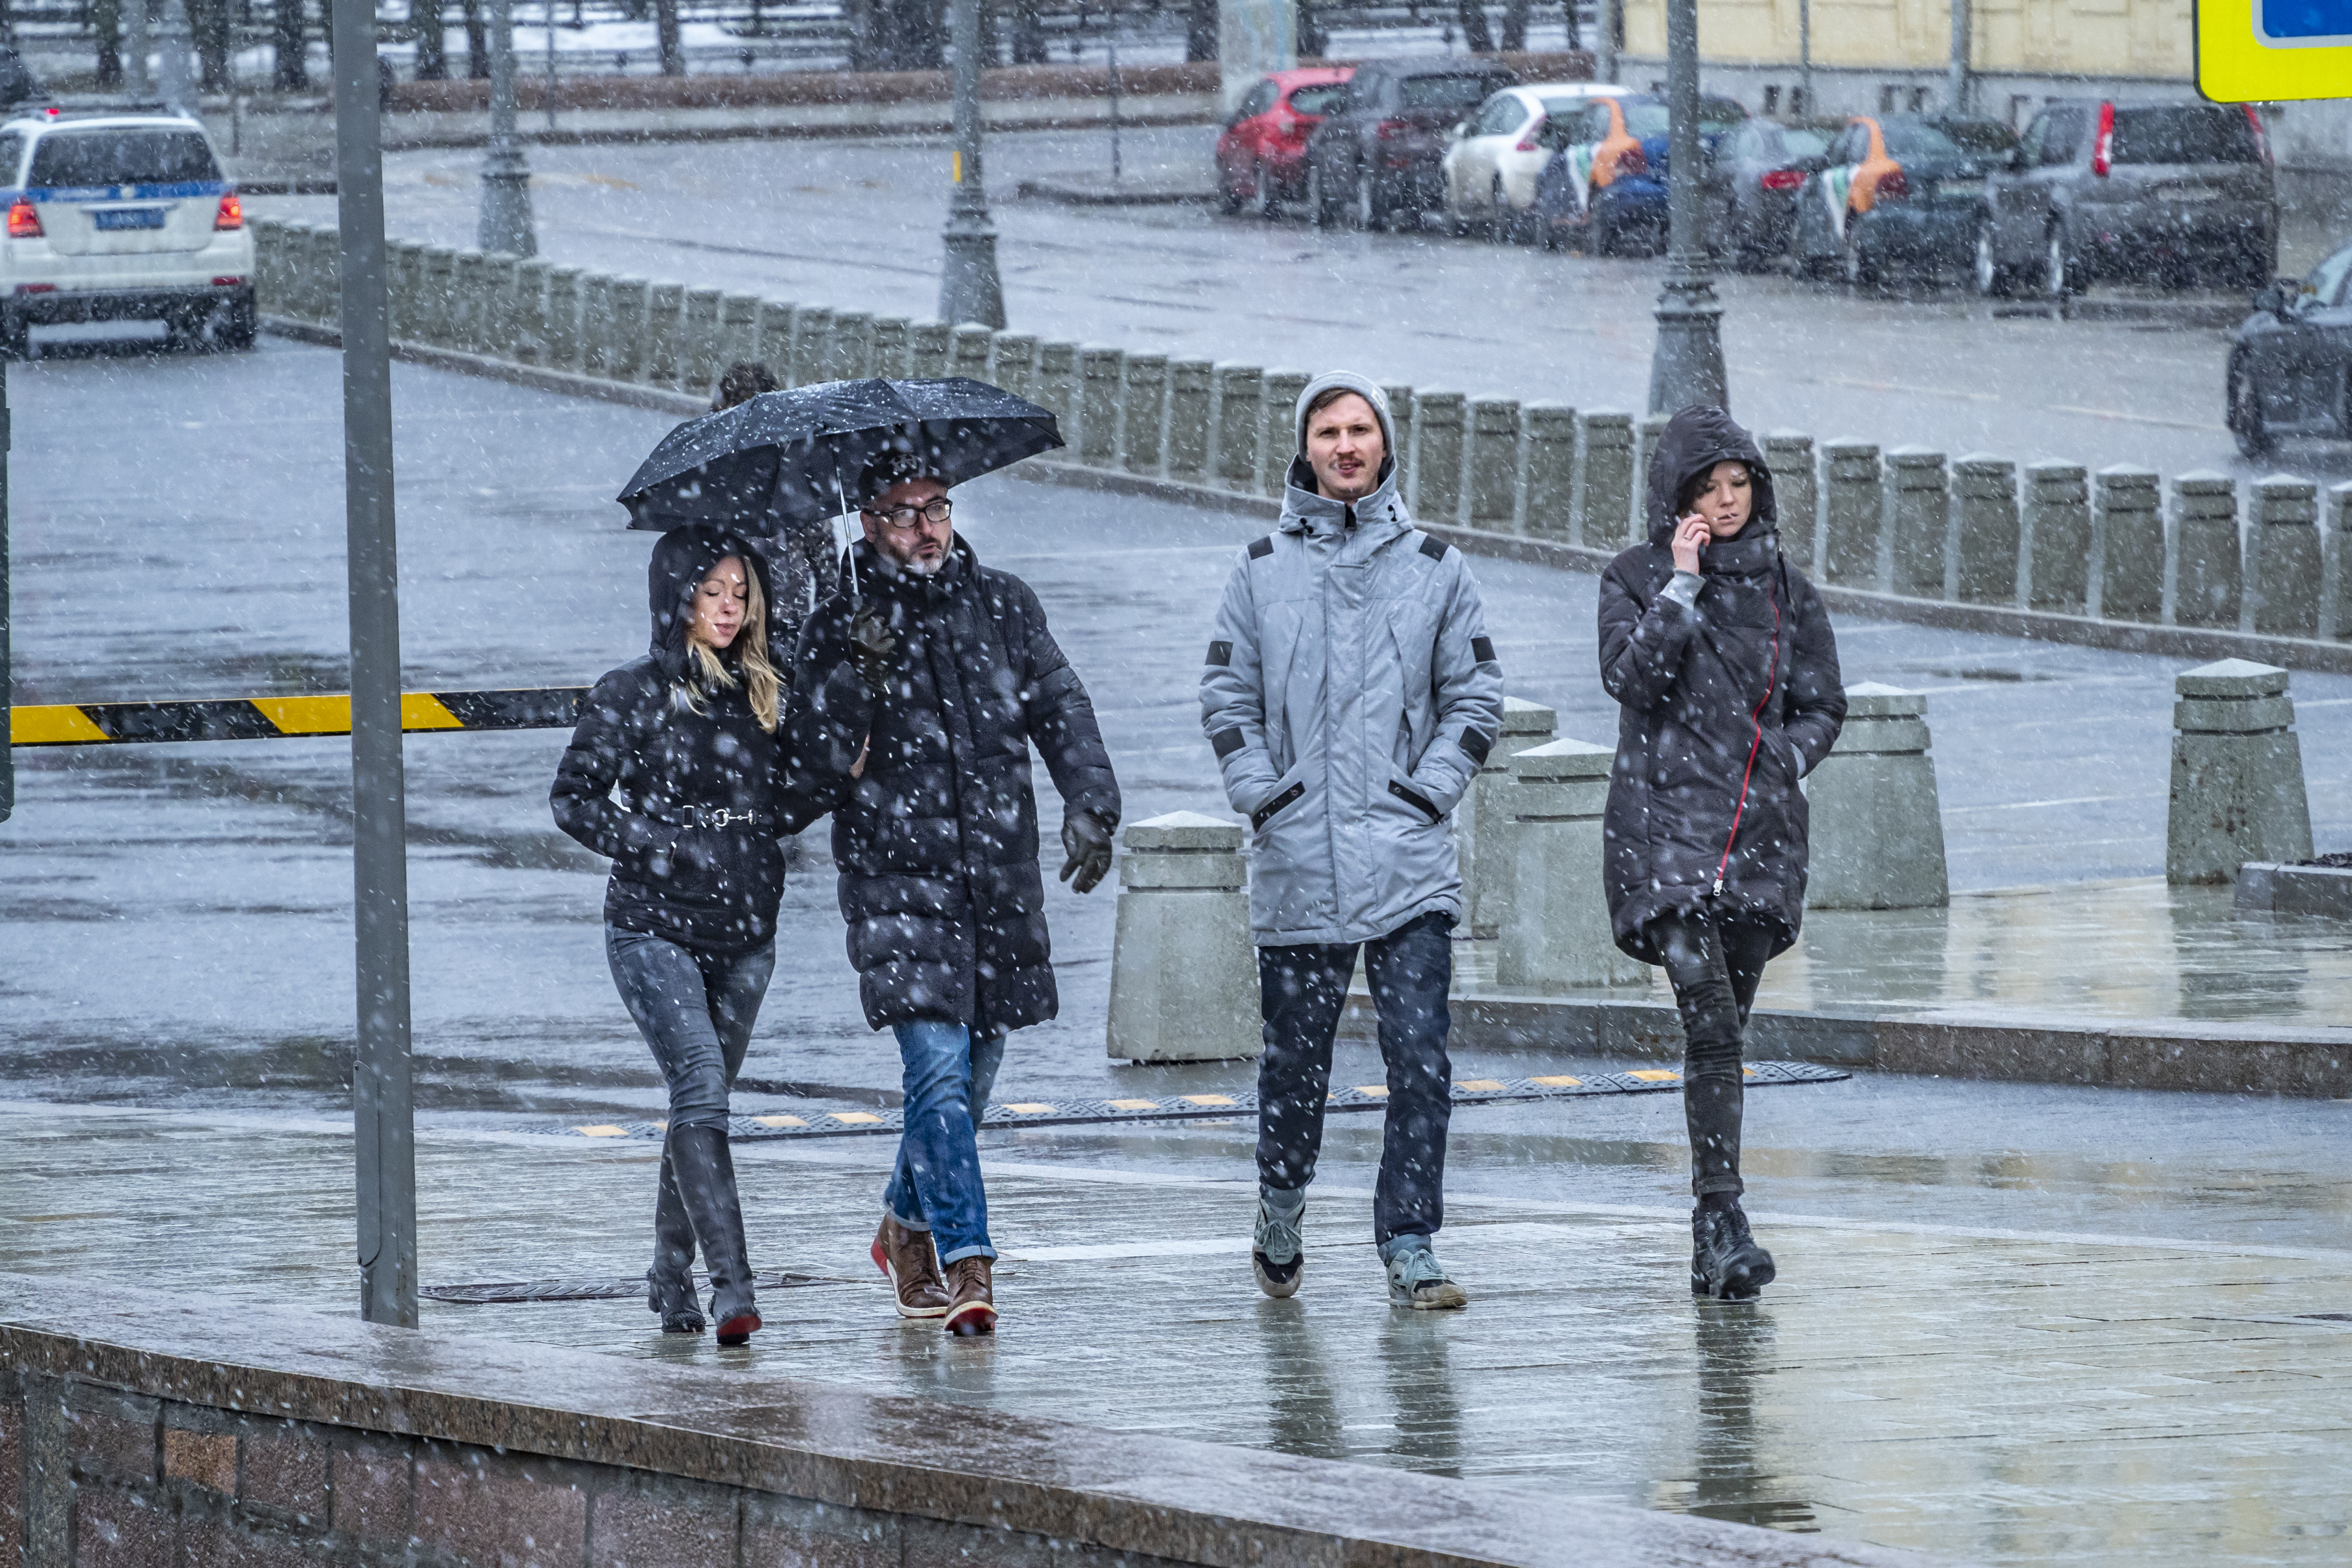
2017	1323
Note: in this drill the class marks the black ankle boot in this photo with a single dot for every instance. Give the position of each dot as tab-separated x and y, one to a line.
1726	1262
669	1283
706	1181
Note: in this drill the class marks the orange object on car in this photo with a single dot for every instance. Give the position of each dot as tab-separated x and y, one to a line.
1877	177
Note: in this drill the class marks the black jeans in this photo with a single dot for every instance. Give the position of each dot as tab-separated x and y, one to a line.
1713	965
1300	992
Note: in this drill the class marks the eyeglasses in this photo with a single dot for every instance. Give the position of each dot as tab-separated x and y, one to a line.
907	518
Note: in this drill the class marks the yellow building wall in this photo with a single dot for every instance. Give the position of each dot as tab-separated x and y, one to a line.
2046	37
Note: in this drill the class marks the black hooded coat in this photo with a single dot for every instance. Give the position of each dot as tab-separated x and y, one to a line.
937	839
1723	708
646	773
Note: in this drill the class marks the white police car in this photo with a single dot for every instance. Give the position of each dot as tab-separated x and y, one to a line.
121	216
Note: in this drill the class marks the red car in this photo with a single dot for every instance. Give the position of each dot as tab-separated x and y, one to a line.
1262	156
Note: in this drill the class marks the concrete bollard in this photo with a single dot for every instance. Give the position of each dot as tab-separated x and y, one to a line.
596	325
2237	773
1919	519
531	312
970	353
269	284
1401	427
774	345
1556	932
1235	405
1490	465
562	338
1604	481
2335	564
1550	490
2282	561
2208	584
626	301
892	336
2128	538
812	332
664	310
1797	492
931	349
1984	564
2056	550
499	307
1054	388
1853	513
849	347
1183	975
325	287
1482	821
404	264
1647	434
738	332
469	313
1142	409
1876	834
1012	361
1097	433
1437	456
1191	389
434	297
1277	443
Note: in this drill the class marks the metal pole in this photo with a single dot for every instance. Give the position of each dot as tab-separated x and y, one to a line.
970	290
551	63
178	81
1686	364
134	46
1956	92
8	681
1605	54
1114	110
383	1110
506	178
1805	54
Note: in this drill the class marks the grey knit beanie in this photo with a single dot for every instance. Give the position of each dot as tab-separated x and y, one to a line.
1369	390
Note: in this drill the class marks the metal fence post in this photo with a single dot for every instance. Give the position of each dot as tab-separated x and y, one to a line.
382	1104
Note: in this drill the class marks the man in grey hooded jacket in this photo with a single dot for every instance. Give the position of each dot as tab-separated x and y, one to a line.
1351	694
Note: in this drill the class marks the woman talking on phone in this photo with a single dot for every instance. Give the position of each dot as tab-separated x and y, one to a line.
1726	673
675	772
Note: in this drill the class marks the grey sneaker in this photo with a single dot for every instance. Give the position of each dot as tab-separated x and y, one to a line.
1277	1255
1418	1280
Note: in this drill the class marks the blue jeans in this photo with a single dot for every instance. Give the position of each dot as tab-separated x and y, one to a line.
696	1010
936	1186
1301	991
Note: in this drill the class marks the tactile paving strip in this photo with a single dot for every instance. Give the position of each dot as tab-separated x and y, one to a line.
1209	1107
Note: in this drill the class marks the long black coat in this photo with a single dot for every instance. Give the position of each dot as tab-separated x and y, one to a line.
1723	707
645	769
937	841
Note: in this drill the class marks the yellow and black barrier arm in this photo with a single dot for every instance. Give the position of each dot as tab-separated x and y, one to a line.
283	718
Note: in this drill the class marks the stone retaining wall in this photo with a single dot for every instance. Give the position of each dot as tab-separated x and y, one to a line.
2117	548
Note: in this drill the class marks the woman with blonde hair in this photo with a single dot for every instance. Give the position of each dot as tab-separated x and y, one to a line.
676	773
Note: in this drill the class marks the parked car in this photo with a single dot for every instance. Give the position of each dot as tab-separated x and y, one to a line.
1262	156
1750	186
1900	192
1718	117
121	217
1604	182
17	82
1490	170
1376	159
2173	192
2291	360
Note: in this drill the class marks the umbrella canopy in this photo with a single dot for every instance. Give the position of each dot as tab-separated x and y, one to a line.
792	457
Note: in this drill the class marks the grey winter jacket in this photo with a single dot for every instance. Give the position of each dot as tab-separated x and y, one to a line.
1351	693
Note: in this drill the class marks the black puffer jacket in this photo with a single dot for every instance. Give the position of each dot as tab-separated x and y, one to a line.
1724	706
646	774
937	841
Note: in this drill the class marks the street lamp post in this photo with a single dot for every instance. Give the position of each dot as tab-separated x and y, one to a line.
506	179
970	290
1686	364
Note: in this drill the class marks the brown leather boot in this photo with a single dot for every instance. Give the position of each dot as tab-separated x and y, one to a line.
973	1305
913	1268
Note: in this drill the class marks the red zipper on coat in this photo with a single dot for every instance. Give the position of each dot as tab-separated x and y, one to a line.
1772	683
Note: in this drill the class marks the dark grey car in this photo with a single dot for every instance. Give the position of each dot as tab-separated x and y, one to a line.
1749	186
2171	192
1376	159
2291	360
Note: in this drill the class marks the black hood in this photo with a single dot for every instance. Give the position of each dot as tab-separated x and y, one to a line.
1695	440
682	558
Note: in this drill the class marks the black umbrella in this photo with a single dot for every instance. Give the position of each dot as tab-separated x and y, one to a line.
795	456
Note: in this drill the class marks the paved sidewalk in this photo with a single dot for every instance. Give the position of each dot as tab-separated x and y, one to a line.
2003	1398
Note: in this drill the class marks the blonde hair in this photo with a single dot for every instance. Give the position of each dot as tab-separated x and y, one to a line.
762	683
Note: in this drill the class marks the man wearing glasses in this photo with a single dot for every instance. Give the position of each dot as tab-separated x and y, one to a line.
918	690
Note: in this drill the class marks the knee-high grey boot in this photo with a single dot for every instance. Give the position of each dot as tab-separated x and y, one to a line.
705	1180
669	1283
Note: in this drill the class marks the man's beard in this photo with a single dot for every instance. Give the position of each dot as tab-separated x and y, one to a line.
918	566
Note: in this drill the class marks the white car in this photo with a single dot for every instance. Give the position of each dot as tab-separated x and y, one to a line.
121	217
1490	171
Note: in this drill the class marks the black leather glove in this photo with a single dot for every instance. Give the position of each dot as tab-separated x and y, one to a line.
1087	843
872	646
